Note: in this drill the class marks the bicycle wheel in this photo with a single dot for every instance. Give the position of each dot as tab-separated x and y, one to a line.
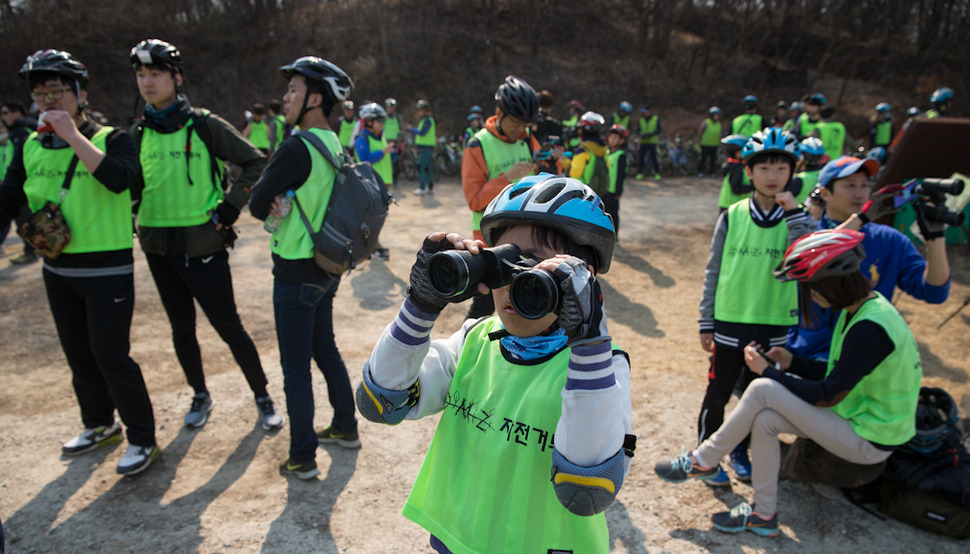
410	168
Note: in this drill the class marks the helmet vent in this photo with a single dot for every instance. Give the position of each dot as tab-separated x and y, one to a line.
549	193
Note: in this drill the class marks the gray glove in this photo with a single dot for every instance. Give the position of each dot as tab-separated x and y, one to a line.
581	311
420	292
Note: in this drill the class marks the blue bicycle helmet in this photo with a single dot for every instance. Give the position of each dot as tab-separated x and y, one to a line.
472	116
735	140
796	105
812	147
913	111
560	203
941	95
714	110
878	153
626	107
476	109
883	107
817	98
750	101
771	140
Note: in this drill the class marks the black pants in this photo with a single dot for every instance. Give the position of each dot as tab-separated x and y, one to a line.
648	154
611	203
727	365
708	154
207	280
93	320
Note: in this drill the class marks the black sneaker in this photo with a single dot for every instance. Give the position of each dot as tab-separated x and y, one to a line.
137	459
303	470
742	518
198	413
268	414
682	468
346	440
89	439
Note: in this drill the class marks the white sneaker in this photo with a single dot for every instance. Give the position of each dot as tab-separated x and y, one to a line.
268	414
137	459
420	192
89	439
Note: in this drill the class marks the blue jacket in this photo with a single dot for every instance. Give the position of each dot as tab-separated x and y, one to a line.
891	261
362	146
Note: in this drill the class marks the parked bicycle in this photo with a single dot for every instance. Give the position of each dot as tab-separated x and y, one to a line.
447	160
405	158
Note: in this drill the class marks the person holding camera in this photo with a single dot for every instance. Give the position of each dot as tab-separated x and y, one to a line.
87	170
506	385
499	154
891	259
860	405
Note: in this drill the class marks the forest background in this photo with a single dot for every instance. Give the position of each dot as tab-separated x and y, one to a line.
680	56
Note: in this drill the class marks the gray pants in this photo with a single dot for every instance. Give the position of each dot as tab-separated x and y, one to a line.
768	409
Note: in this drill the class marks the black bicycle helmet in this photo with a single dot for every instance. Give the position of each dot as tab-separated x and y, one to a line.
55	61
323	77
155	52
516	98
936	419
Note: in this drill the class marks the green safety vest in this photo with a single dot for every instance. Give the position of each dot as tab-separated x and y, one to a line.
382	166
747	291
6	156
623	120
727	197
648	125
884	133
789	125
806	126
485	483
882	406
809	181
392	128
347	132
932	112
280	120
259	134
712	133
292	240
427	139
832	134
613	164
499	157
169	198
99	220
746	124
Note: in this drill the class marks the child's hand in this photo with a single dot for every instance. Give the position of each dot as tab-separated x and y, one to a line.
786	200
707	342
420	292
581	312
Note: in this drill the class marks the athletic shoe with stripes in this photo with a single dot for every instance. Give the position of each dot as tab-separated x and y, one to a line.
743	518
90	439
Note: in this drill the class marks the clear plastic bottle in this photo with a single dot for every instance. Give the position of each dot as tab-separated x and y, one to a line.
273	223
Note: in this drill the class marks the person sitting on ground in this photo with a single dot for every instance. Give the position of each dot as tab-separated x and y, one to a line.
860	405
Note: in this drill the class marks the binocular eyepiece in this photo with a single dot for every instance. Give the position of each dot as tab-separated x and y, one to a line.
532	292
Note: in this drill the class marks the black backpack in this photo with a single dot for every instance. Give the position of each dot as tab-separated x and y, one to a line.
355	214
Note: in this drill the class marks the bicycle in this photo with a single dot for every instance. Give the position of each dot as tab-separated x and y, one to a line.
405	159
447	161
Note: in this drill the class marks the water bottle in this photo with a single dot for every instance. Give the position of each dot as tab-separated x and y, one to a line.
273	223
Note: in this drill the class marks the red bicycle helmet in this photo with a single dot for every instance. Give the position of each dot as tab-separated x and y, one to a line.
620	130
827	253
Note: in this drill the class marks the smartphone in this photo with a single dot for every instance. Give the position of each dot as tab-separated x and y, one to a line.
771	363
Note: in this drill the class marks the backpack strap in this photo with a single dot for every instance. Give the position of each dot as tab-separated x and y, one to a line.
322	148
201	126
68	177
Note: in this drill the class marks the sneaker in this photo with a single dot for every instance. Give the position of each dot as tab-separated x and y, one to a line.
419	192
713	175
137	459
639	177
719	480
740	463
303	470
24	259
199	412
742	518
656	176
268	415
700	175
89	439
346	440
682	468
380	254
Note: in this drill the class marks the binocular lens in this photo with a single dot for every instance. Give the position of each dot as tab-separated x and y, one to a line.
534	294
448	274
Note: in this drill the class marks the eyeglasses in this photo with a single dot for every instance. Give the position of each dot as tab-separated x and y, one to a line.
38	96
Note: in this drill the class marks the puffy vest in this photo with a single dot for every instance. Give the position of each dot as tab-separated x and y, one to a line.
259	134
727	196
392	128
832	134
382	166
292	240
747	291
621	120
746	124
99	220
485	483
177	193
427	139
712	133
347	132
499	157
614	165
882	406
884	133
648	125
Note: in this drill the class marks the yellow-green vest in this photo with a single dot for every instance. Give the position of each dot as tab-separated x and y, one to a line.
429	138
392	128
727	196
884	133
932	113
280	122
259	134
806	126
176	193
747	291
99	220
712	133
485	483
499	157
292	240
648	125
6	156
882	406
347	132
382	166
613	162
832	134
809	182
623	120
746	124
571	125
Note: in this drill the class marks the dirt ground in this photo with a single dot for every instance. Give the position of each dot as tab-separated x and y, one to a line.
218	488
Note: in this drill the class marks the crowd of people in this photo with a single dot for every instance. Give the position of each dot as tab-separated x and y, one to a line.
795	308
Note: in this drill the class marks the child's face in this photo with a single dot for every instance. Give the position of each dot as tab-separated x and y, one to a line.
770	178
614	140
521	235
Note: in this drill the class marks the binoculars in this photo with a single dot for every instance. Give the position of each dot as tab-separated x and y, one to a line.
534	293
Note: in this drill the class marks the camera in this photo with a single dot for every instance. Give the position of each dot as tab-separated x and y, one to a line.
935	190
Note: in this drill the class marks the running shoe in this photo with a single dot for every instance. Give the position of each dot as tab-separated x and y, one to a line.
740	463
682	468
303	470
137	459
656	176
742	518
198	414
346	440
419	192
269	416
639	177
89	439
719	480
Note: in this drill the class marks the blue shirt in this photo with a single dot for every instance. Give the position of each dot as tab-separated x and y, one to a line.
891	261
362	146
